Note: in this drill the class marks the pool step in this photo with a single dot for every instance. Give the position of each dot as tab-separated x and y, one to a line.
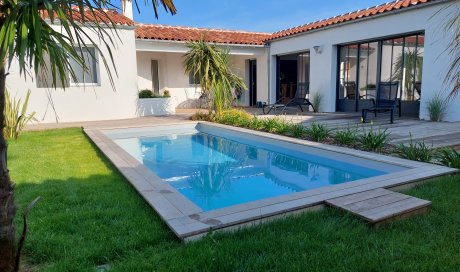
379	206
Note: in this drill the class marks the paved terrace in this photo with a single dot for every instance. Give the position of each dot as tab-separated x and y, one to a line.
438	134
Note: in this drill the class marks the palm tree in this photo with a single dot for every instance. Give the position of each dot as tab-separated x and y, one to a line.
26	35
453	26
210	65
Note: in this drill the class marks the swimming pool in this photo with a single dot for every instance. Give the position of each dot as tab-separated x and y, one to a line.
201	176
216	171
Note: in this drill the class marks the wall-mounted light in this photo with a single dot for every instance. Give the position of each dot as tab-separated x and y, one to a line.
318	49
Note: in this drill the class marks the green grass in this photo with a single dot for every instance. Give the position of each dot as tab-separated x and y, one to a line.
90	216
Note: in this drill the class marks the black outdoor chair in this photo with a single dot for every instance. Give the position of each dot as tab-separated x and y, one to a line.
350	88
387	100
301	99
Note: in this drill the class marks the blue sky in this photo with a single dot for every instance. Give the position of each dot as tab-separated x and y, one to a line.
253	15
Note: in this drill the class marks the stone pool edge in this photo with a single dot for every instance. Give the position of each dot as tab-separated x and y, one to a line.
189	222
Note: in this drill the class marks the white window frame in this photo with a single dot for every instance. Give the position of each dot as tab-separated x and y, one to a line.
98	74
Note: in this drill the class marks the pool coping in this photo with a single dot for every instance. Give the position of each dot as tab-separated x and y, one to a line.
189	222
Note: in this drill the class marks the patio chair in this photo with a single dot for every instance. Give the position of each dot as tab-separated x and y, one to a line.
350	88
387	100
301	99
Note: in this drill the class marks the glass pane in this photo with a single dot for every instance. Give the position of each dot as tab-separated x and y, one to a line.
304	74
372	70
90	75
387	59
397	62
348	70
419	67
412	60
343	76
44	76
192	80
363	70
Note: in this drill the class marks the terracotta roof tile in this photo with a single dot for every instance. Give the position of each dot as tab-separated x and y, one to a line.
369	12
100	17
178	33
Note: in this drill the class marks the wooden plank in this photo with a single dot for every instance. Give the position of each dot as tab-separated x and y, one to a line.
380	205
376	202
349	199
401	216
394	209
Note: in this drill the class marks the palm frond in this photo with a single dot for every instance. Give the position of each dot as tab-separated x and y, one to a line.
452	26
27	34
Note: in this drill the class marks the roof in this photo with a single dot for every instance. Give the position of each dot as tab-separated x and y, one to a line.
355	15
106	17
179	33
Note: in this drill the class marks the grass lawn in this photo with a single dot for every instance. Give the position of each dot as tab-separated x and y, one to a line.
90	216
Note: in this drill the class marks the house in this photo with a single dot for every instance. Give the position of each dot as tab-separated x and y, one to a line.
344	58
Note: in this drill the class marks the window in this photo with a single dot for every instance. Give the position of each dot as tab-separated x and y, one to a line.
363	65
91	74
193	80
44	77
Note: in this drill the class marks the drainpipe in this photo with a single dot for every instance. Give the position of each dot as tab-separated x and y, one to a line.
127	8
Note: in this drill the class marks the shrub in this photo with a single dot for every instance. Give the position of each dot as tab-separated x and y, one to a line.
374	140
166	93
297	130
16	117
234	117
202	116
317	101
271	124
146	93
348	136
437	107
255	123
449	157
318	132
284	127
415	151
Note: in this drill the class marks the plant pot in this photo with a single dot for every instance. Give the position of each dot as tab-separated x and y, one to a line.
155	106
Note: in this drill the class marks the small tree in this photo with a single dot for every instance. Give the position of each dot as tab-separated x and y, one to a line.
211	67
27	36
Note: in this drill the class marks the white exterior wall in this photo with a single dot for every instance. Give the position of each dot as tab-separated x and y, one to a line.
88	103
171	75
323	75
170	56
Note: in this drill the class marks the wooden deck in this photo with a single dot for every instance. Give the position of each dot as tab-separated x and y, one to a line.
379	206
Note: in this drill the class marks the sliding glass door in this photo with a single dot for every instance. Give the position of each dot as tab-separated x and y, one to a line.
293	72
303	78
361	66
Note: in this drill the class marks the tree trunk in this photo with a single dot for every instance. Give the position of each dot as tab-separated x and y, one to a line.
7	205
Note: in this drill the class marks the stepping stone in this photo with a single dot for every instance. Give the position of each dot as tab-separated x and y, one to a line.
379	206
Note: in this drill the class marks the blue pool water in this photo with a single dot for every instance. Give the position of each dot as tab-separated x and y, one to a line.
214	172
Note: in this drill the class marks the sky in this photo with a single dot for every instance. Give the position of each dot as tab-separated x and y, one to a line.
251	15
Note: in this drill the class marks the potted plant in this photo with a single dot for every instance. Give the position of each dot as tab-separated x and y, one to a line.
151	104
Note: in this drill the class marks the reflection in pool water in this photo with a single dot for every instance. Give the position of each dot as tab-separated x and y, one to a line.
215	172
